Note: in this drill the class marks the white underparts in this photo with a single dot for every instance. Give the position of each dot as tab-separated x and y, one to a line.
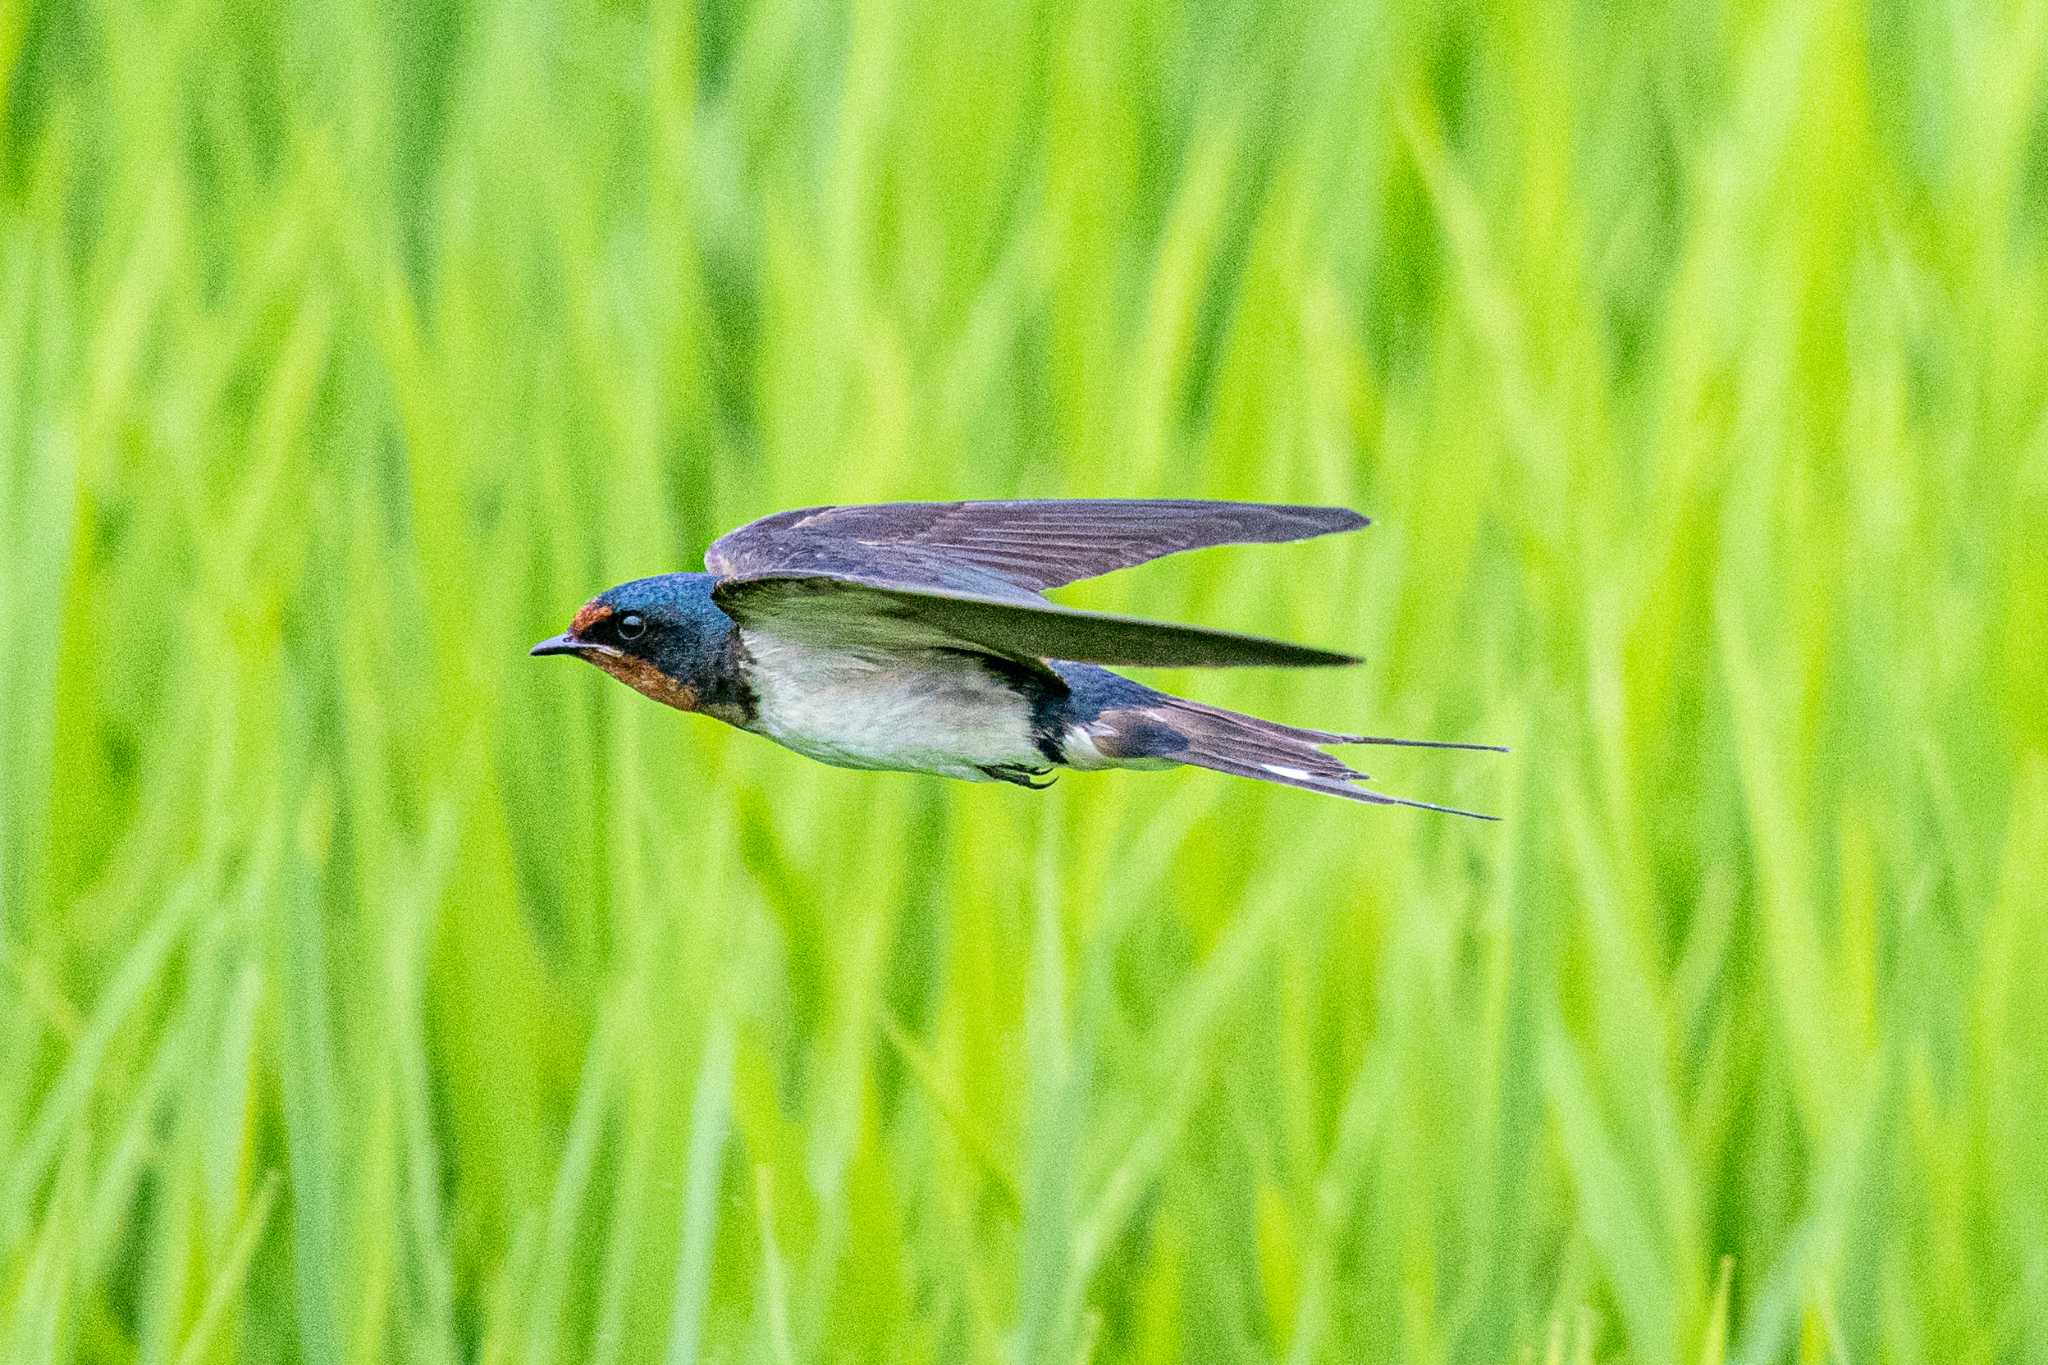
929	711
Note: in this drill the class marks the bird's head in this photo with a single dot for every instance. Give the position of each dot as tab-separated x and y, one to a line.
654	634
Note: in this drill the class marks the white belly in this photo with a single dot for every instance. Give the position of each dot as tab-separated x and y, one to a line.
923	711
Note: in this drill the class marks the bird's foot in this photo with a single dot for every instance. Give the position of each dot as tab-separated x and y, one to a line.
1019	775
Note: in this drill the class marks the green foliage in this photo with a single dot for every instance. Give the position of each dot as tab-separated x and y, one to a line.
369	992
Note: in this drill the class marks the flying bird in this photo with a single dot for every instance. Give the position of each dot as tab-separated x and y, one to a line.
914	636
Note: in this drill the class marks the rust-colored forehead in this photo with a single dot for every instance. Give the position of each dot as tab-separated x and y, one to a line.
590	614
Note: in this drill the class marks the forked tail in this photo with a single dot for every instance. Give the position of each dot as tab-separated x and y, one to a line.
1230	742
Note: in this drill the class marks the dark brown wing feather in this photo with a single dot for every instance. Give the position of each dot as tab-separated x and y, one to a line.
841	611
1000	548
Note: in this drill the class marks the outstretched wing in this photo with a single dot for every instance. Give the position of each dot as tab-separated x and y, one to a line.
840	611
1003	549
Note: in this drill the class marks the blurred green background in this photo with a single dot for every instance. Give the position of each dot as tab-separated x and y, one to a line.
369	992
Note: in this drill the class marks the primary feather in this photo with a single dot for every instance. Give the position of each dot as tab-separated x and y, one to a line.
852	610
1012	547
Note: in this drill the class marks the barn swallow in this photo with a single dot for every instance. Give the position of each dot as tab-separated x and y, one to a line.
913	636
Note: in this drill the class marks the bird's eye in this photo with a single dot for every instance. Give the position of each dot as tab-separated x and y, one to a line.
632	626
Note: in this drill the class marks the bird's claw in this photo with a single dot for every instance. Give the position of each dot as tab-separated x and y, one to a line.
1020	776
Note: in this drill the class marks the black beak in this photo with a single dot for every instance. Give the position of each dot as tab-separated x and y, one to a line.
559	644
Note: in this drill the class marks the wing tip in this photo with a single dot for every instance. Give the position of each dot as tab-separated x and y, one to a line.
1270	522
1323	520
1303	656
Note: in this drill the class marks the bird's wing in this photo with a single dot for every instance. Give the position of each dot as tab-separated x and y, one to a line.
842	610
1004	548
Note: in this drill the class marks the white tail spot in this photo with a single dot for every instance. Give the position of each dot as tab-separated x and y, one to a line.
1282	770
